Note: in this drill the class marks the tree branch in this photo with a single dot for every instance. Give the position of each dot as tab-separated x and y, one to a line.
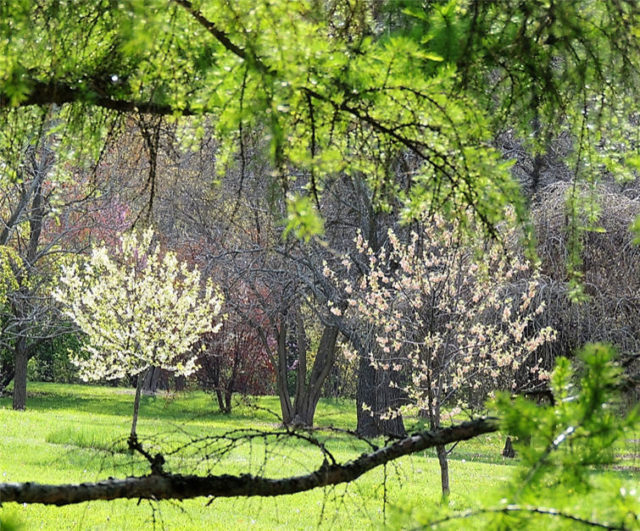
57	92
220	35
175	486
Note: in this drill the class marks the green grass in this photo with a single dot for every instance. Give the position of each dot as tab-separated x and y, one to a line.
74	433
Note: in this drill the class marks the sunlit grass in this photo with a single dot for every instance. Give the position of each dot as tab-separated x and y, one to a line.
73	433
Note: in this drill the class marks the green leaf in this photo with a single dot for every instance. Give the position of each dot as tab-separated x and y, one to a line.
303	218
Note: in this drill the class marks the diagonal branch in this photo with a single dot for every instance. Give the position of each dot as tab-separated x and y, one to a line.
157	486
221	36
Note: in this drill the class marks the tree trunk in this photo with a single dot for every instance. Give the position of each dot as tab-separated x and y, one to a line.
366	398
180	382
20	378
444	470
220	398
225	395
508	450
7	372
136	406
306	403
387	398
281	376
153	381
374	397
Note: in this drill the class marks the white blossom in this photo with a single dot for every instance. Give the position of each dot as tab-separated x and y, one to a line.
137	308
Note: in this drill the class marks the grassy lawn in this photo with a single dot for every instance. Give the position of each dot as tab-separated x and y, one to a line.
74	433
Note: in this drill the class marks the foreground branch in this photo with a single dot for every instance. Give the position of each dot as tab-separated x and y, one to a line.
175	486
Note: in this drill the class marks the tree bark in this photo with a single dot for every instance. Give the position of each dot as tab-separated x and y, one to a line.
151	381
366	398
20	377
281	376
374	397
37	213
174	486
231	384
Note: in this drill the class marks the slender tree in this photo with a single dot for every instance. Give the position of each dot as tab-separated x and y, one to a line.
447	323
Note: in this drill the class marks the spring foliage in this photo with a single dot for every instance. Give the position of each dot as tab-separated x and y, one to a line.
340	86
137	308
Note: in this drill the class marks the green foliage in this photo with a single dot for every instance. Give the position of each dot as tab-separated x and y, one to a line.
337	87
571	441
10	521
578	431
303	219
8	282
52	363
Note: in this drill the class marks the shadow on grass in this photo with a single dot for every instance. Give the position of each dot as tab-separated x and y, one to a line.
182	407
190	406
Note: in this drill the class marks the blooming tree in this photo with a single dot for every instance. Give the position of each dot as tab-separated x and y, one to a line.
137	308
452	315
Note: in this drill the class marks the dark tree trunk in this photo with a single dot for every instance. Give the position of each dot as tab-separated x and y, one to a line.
21	347
180	382
220	399
508	450
7	372
214	368
155	378
231	383
20	378
366	399
375	397
281	376
301	410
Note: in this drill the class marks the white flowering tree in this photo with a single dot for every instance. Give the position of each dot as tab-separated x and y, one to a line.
452	316
137	308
